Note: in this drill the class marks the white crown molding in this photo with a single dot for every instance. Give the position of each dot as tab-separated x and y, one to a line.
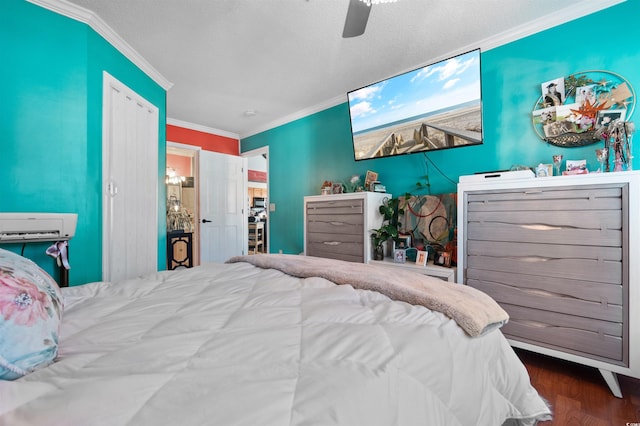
201	128
553	19
297	115
86	16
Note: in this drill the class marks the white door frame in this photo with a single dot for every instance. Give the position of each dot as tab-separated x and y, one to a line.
196	173
110	186
183	146
255	153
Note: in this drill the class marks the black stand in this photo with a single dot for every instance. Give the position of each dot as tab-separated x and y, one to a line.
179	249
64	272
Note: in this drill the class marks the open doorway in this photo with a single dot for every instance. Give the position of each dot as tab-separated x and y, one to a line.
182	206
258	200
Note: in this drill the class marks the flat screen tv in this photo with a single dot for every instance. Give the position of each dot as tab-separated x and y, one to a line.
435	107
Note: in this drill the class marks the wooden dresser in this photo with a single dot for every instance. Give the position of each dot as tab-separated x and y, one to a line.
338	226
558	254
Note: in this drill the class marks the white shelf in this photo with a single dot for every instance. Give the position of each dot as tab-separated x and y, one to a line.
447	274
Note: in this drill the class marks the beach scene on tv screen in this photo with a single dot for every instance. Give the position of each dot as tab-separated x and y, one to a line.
435	107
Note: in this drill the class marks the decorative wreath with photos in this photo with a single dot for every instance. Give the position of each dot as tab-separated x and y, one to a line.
570	110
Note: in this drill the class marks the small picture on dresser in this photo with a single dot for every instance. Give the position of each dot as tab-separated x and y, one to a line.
399	255
370	177
421	258
402	242
442	258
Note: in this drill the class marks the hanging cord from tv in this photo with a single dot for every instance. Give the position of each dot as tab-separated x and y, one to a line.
428	186
429	161
419	214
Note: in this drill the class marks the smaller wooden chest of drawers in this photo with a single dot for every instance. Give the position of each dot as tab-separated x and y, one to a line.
338	226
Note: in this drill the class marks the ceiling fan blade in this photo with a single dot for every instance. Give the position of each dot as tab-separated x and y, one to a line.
357	17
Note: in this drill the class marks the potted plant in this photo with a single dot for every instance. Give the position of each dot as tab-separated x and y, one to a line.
390	211
379	237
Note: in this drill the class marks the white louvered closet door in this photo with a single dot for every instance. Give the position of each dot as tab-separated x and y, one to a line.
130	183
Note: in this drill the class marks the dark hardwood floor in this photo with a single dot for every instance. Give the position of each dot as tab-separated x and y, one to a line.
579	395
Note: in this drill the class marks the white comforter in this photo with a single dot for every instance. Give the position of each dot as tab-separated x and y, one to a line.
235	345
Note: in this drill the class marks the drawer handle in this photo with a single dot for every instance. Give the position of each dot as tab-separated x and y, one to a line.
542	227
332	243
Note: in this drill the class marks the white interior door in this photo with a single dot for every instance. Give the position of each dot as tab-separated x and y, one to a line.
223	223
130	183
258	159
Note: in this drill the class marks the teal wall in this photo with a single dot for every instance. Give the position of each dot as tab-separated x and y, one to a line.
51	127
304	153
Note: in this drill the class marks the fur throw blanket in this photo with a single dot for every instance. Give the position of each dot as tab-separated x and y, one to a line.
473	310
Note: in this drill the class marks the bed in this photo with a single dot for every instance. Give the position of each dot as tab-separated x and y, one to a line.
252	342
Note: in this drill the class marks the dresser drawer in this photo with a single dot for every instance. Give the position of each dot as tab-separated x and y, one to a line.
547	199
335	224
585	336
582	217
336	246
581	298
594	264
335	207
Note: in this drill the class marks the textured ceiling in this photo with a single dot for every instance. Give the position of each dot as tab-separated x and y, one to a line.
286	58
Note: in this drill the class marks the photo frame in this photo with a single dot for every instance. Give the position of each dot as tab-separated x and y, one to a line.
558	128
587	93
553	93
442	258
399	256
421	258
403	241
544	115
544	170
567	112
605	117
370	177
576	167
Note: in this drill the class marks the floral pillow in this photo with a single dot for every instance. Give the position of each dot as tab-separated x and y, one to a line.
30	314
